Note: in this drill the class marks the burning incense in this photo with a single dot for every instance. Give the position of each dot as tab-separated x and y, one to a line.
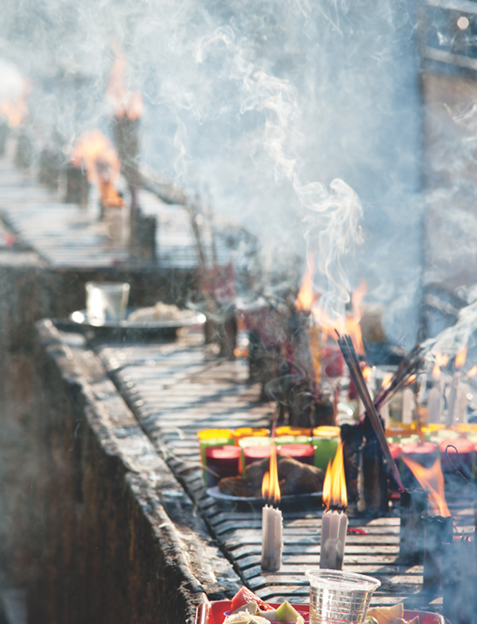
349	354
334	522
409	366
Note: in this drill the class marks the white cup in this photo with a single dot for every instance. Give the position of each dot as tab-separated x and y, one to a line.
106	301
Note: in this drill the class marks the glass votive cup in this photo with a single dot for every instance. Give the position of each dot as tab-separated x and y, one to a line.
338	597
253	454
213	437
106	301
292	431
220	462
250	432
304	453
291	439
324	451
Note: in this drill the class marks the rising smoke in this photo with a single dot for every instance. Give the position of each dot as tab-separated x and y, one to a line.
288	112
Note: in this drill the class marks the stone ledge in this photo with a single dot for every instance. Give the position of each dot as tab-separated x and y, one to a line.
114	538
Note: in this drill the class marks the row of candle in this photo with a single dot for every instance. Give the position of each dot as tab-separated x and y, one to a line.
226	452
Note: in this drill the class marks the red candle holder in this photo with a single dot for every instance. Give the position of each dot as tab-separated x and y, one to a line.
256	453
304	453
221	461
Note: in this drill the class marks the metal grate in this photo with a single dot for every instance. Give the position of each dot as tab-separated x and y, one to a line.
176	390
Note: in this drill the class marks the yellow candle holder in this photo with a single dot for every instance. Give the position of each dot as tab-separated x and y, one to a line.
292	431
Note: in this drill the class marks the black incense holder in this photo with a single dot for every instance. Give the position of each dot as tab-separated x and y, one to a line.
50	167
24	153
375	491
4	131
77	186
460	581
413	507
352	438
438	536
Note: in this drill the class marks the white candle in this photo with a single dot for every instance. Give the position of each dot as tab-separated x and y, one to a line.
461	403
271	538
333	538
452	397
408	405
434	405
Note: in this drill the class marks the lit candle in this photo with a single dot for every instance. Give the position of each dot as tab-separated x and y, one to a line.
454	390
408	405
434	404
434	397
334	521
271	518
460	410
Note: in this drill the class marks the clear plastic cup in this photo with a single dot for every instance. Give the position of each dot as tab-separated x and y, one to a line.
106	301
338	597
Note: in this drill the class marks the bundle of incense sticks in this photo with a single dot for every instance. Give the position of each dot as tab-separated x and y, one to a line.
351	359
409	366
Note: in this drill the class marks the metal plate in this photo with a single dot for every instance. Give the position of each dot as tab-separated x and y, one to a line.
190	318
286	499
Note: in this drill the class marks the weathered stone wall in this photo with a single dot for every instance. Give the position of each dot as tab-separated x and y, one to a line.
112	536
31	290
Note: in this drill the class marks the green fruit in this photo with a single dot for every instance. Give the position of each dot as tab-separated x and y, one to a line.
286	613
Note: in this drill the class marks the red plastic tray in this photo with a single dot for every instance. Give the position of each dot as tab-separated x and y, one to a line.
213	613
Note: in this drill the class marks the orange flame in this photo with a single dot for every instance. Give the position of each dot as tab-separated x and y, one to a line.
270	484
96	154
306	295
441	360
472	371
367	373
334	487
386	380
15	111
349	325
430	479
460	358
125	103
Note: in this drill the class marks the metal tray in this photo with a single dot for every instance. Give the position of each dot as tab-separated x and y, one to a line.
135	329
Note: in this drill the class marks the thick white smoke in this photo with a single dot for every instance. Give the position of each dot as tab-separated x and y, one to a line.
267	103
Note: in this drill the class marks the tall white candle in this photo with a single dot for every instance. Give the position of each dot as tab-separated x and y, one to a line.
461	403
408	405
452	397
271	538
333	538
434	404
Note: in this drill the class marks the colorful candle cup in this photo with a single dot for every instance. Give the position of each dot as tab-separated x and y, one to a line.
213	437
255	453
304	453
221	461
292	431
325	442
250	432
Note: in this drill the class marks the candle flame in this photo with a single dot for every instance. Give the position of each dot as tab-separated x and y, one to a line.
367	373
306	295
125	103
430	479
472	372
460	358
96	154
387	381
270	484
334	487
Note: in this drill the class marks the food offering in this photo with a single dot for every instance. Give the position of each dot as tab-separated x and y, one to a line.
247	608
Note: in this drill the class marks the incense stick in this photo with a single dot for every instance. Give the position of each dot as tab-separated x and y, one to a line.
349	354
408	366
